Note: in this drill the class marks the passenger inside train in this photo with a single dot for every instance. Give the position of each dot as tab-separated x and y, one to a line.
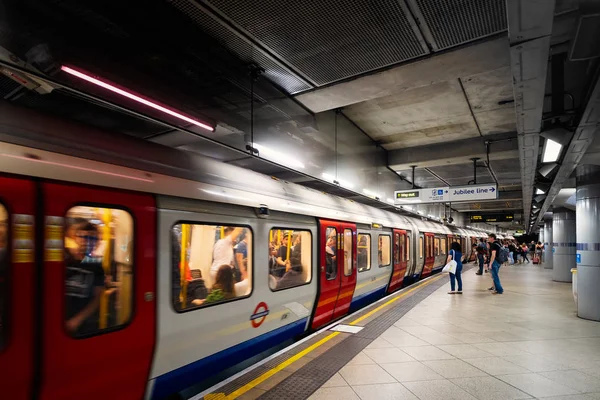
98	269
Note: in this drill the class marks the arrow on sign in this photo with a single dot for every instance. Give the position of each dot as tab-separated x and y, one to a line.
492	190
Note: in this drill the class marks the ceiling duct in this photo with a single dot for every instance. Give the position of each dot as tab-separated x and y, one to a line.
586	44
547	169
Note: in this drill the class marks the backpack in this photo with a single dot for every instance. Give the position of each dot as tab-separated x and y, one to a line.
502	255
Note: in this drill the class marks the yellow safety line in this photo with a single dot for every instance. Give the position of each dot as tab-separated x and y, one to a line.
293	359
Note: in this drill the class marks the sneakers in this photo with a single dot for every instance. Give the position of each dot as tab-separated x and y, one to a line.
459	292
478	273
495	292
451	292
492	288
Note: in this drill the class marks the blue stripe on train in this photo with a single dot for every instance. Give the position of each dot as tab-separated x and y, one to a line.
191	374
366	298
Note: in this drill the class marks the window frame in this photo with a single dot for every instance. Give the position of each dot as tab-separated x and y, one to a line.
408	247
337	243
389	249
9	267
202	306
133	269
351	250
311	259
421	247
368	249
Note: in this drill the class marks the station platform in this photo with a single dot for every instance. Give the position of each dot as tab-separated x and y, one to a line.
423	343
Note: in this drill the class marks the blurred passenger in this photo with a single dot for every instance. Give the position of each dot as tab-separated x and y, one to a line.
293	275
524	252
196	291
539	248
481	253
84	281
242	288
223	288
331	258
223	250
456	255
176	272
380	251
274	269
241	253
363	255
283	254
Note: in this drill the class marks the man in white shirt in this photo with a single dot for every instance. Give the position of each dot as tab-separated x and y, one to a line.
223	250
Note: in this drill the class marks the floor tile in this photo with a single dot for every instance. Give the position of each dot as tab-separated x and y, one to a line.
496	366
426	353
501	349
411	371
470	337
537	385
438	390
361	358
418	330
379	343
536	363
569	397
489	388
384	356
365	374
405	340
464	351
334	393
438	338
385	391
405	321
454	368
577	380
335	381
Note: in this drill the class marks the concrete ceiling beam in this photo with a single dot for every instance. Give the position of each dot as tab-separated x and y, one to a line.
470	60
502	146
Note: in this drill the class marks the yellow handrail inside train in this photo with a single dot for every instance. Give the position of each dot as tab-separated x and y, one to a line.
183	259
106	217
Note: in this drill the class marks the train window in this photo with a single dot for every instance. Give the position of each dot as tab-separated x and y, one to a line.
437	246
420	246
383	250
443	243
403	247
331	253
408	247
289	258
98	269
396	248
210	264
348	252
364	252
4	264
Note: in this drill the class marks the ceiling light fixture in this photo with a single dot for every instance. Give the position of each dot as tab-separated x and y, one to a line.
539	191
546	170
134	97
552	151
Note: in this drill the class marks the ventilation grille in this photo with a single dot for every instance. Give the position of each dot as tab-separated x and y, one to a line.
327	41
241	48
454	22
7	86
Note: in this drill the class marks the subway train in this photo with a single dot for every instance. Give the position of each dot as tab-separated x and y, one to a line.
133	270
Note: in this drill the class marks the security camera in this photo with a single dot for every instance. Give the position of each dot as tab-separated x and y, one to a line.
262	211
450	220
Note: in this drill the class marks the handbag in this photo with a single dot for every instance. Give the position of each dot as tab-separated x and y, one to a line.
451	266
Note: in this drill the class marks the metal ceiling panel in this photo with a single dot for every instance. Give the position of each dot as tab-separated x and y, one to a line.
452	22
327	41
529	20
242	47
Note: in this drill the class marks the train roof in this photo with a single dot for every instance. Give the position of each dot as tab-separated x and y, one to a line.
70	151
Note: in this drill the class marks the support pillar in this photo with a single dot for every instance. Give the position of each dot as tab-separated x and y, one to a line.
541	239
548	264
588	242
564	238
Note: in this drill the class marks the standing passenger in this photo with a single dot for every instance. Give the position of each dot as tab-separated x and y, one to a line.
495	265
223	250
241	253
481	250
456	255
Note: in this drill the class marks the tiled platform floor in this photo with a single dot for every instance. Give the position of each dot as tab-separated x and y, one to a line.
526	343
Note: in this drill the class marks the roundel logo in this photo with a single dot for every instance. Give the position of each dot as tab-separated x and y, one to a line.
260	314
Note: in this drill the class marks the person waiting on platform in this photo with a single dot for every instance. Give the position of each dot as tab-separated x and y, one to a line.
495	264
456	255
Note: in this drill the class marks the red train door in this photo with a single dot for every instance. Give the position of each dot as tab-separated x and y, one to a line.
399	252
17	287
102	351
429	255
337	272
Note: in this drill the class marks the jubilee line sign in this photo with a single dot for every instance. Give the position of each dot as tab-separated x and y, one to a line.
446	194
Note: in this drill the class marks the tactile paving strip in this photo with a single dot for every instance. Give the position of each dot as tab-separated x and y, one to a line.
313	375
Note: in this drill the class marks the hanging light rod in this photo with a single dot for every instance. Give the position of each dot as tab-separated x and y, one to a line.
131	96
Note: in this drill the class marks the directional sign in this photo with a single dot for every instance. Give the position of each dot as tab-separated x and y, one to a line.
578	258
446	194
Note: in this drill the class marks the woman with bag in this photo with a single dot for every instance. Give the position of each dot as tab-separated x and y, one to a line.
456	256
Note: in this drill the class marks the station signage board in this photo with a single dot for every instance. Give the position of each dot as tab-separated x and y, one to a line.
446	194
502	217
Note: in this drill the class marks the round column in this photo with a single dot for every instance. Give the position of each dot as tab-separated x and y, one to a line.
564	237
548	264
588	242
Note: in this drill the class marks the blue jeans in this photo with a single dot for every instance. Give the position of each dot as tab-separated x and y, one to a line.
480	259
496	278
456	277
